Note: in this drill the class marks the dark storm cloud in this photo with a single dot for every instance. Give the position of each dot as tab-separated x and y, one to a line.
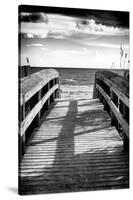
111	18
105	17
34	17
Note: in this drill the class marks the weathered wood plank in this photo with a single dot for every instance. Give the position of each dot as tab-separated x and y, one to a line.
34	82
115	81
121	96
74	149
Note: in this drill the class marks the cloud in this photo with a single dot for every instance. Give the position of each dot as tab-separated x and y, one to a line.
34	45
61	27
59	34
34	17
90	25
29	35
58	26
111	18
26	35
35	30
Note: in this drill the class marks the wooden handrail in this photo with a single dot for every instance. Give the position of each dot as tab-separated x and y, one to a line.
36	89
115	110
33	83
113	91
115	80
29	118
116	83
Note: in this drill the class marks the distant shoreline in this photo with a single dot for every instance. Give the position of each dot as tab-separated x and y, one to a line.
74	68
28	70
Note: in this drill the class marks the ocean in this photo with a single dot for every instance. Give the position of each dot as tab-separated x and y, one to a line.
76	82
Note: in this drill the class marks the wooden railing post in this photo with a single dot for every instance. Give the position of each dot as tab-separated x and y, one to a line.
58	92
48	102
105	104
23	116
118	104
111	113
95	93
125	138
22	138
118	124
124	111
54	91
101	98
125	142
39	113
53	95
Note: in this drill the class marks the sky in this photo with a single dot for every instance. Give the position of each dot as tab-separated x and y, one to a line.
67	37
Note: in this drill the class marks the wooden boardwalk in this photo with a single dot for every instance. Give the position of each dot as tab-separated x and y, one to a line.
74	149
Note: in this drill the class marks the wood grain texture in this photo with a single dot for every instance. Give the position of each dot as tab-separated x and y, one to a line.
115	110
116	83
29	118
74	149
34	82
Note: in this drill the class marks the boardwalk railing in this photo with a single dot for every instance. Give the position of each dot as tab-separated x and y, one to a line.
113	92
36	93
